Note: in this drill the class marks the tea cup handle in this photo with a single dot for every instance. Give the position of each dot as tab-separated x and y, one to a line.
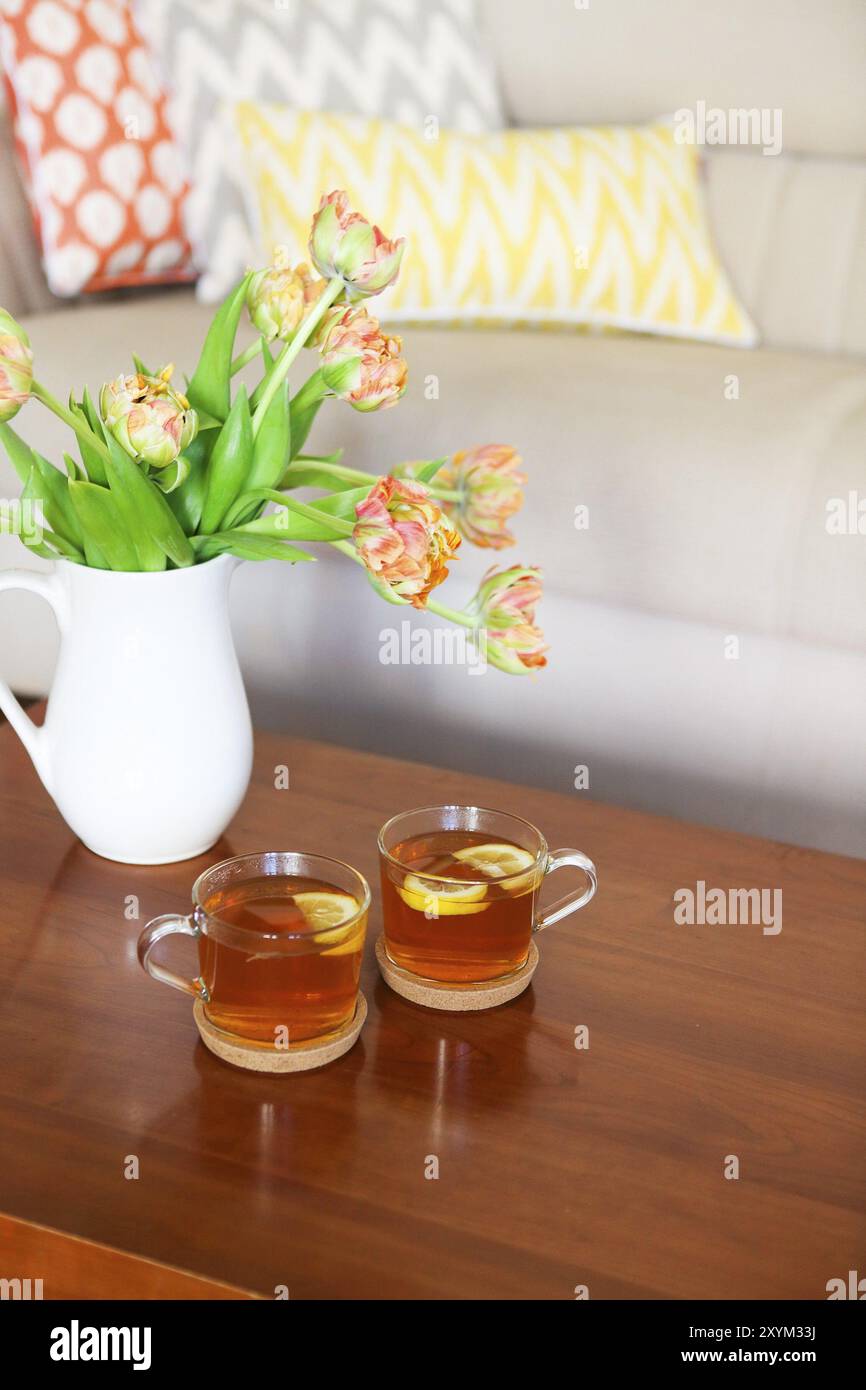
561	859
171	924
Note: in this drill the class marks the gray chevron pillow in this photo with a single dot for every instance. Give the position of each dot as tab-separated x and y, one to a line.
404	60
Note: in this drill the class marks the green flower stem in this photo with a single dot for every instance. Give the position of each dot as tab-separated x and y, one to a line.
336	470
314	389
81	429
291	350
451	614
356	475
247	355
267	523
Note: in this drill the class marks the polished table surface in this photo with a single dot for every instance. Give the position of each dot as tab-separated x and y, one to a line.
559	1167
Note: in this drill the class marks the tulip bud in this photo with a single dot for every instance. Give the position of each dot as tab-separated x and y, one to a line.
505	607
345	246
361	364
518	650
278	298
404	539
491	490
16	366
506	598
149	419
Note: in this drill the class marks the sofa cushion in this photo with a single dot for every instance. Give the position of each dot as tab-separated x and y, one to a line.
707	473
792	234
567	62
417	61
102	171
595	225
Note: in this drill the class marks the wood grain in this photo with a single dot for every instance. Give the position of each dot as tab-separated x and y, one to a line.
72	1268
557	1166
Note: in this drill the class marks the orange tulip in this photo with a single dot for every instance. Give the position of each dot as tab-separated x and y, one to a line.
404	539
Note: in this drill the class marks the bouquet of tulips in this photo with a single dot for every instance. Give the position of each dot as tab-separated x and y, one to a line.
166	478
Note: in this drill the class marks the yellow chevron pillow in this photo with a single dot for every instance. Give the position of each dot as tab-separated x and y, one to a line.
595	225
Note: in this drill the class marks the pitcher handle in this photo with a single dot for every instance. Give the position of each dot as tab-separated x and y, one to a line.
170	924
35	740
561	859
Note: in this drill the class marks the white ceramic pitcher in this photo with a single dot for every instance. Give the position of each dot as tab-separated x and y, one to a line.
147	743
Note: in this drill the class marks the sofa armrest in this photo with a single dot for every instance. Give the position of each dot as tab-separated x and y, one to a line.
23	287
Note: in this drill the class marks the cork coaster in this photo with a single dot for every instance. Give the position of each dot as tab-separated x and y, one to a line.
317	1052
457	998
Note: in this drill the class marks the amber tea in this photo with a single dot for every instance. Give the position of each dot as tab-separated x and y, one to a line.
459	906
301	981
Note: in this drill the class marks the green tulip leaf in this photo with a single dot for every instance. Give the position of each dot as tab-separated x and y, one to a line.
207	422
106	542
40	548
187	501
73	469
169	479
229	464
299	474
151	557
290	526
247	547
297	520
20	521
92	415
210	387
268	361
151	523
61	549
427	472
343	503
90	457
270	450
335	457
56	505
304	409
45	484
20	454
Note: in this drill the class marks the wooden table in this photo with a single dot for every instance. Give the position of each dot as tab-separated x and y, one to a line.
558	1167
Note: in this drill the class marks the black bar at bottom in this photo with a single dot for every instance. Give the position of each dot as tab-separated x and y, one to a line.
220	1341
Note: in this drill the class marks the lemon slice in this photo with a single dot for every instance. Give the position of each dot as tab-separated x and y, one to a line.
325	911
442	899
496	861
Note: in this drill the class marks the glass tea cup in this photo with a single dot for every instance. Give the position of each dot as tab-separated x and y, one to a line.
280	940
460	891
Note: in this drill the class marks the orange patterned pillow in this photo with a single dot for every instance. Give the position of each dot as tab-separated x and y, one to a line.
103	172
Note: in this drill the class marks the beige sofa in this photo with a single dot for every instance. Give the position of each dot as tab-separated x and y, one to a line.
707	471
